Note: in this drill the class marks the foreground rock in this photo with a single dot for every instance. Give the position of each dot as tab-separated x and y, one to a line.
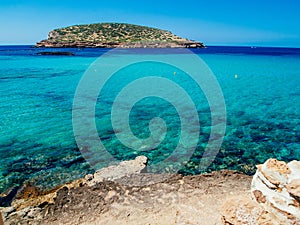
125	194
276	186
115	173
275	191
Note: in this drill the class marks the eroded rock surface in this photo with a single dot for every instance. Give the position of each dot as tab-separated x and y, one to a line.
276	186
113	173
124	195
275	191
127	194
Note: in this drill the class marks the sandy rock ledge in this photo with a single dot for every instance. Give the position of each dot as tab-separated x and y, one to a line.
127	194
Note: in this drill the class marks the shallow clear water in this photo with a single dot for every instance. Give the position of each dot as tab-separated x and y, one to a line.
37	143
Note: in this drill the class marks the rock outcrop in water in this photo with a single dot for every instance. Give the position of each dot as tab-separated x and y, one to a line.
115	35
56	53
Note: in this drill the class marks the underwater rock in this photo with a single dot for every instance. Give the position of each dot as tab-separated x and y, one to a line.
56	53
276	186
7	198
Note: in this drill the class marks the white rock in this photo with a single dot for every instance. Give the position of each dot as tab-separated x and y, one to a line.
295	170
276	186
275	171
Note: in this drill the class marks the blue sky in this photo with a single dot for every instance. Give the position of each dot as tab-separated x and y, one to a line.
215	22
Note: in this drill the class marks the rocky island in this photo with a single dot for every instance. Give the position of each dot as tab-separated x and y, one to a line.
115	35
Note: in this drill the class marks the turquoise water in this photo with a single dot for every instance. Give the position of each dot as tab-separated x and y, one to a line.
37	143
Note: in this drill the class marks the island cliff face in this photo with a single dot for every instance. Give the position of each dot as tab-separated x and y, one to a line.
115	35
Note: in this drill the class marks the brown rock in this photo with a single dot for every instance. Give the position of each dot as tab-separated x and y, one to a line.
291	219
267	218
243	211
260	198
296	203
275	171
28	191
278	166
294	188
1	219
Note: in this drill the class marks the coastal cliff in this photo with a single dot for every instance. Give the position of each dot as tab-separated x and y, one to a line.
115	35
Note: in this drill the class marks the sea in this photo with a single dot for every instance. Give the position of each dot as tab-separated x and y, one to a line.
260	89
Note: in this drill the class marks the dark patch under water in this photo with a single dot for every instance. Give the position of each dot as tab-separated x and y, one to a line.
37	144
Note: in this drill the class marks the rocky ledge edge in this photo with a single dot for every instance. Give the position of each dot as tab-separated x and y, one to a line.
126	193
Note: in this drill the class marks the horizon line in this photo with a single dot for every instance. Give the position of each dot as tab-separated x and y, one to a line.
210	45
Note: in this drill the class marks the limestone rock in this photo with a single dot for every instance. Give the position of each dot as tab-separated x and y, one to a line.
275	171
240	211
245	211
293	188
275	191
276	187
293	184
5	211
112	173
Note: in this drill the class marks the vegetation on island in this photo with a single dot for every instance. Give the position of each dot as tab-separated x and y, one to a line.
114	35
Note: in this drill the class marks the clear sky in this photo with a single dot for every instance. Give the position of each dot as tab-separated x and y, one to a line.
215	22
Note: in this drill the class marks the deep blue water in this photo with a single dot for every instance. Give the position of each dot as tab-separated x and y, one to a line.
261	87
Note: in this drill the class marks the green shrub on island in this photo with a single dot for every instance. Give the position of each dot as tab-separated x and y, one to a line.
114	35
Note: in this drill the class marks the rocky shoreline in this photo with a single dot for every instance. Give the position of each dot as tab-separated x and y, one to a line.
126	194
53	44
